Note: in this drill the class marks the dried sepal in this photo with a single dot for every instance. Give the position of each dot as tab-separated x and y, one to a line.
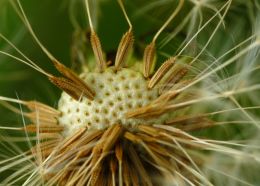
149	59
160	161
67	143
156	108
173	78
149	111
112	138
45	146
99	148
145	138
70	75
40	117
139	166
119	152
159	149
207	123
124	49
190	123
149	130
42	108
113	168
43	128
126	172
95	175
164	98
131	137
106	143
48	136
160	73
119	157
70	88
97	49
133	176
187	119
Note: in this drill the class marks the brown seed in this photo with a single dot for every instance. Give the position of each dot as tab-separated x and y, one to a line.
124	49
71	88
164	68
173	78
69	74
149	55
96	46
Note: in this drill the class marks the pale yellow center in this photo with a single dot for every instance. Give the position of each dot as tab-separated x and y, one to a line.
116	94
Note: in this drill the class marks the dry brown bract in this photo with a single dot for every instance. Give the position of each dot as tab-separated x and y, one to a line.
118	155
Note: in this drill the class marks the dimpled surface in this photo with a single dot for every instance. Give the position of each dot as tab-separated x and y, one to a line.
116	93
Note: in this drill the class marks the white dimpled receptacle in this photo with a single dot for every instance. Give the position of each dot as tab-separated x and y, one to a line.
116	93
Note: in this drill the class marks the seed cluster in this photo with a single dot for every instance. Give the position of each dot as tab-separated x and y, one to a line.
116	93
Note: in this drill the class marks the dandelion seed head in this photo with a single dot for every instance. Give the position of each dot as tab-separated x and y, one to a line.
116	94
